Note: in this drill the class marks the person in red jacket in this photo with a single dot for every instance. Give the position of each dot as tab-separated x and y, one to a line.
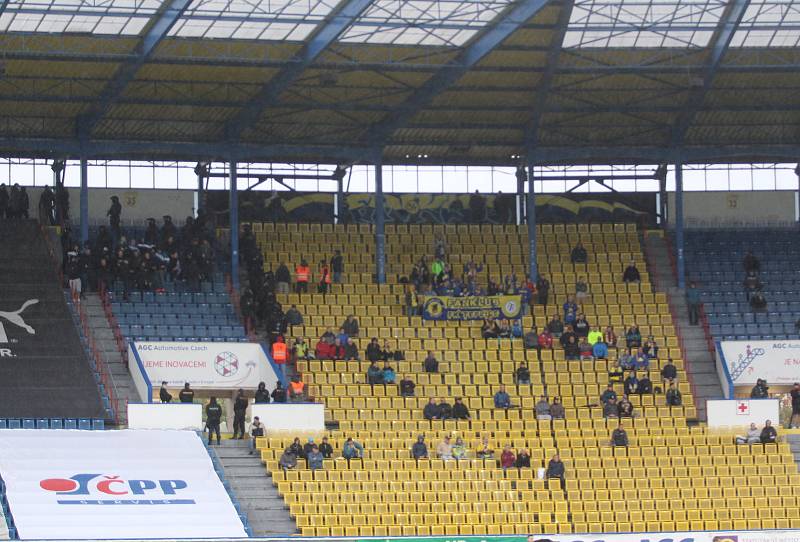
324	278
508	458
546	339
324	350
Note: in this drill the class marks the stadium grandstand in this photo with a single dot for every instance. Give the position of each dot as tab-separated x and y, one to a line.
502	271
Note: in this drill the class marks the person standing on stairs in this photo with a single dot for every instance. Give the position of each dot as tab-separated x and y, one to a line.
114	213
693	302
213	417
239	410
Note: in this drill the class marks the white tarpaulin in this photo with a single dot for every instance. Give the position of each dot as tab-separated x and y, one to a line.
210	366
64	484
746	361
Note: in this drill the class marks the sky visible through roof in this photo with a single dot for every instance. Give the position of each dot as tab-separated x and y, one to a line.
440	23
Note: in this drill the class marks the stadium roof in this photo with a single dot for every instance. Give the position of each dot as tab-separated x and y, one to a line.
426	81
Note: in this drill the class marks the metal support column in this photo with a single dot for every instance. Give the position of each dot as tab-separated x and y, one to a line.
380	235
339	199
84	201
521	177
200	171
681	266
530	205
234	225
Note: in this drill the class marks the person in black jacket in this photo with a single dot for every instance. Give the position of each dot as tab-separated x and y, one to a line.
768	435
619	437
262	395
431	410
279	393
114	213
325	448
187	394
163	394
213	416
645	385
631	273
460	410
374	352
445	410
431	364
555	469
523	460
239	410
760	390
669	373
407	387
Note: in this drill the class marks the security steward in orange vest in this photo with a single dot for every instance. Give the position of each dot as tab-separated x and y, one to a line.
302	275
280	353
297	389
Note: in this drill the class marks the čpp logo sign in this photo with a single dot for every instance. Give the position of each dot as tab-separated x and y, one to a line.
120	491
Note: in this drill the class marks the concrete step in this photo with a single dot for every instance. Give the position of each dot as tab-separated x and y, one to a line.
249	480
234	472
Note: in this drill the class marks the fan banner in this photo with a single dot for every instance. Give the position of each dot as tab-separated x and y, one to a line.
496	307
87	485
204	365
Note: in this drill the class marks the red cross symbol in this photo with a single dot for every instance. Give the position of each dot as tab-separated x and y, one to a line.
743	407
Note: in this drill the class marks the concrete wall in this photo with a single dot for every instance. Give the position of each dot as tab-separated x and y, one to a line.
742	209
137	205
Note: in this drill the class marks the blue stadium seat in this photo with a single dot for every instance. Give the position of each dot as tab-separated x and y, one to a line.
70	423
98	425
28	423
43	423
84	424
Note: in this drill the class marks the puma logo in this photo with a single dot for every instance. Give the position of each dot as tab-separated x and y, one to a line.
15	317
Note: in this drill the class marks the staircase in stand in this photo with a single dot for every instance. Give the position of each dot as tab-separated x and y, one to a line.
108	349
253	487
694	340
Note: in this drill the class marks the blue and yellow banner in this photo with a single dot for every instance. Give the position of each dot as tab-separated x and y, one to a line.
472	308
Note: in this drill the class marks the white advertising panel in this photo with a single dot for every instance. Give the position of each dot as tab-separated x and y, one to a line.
165	416
304	417
204	365
742	412
776	361
72	485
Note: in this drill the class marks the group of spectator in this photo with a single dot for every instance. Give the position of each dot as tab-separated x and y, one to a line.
754	435
165	255
443	410
315	454
14	203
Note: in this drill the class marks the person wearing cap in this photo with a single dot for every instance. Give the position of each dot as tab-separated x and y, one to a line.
256	430
114	213
420	450
308	446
